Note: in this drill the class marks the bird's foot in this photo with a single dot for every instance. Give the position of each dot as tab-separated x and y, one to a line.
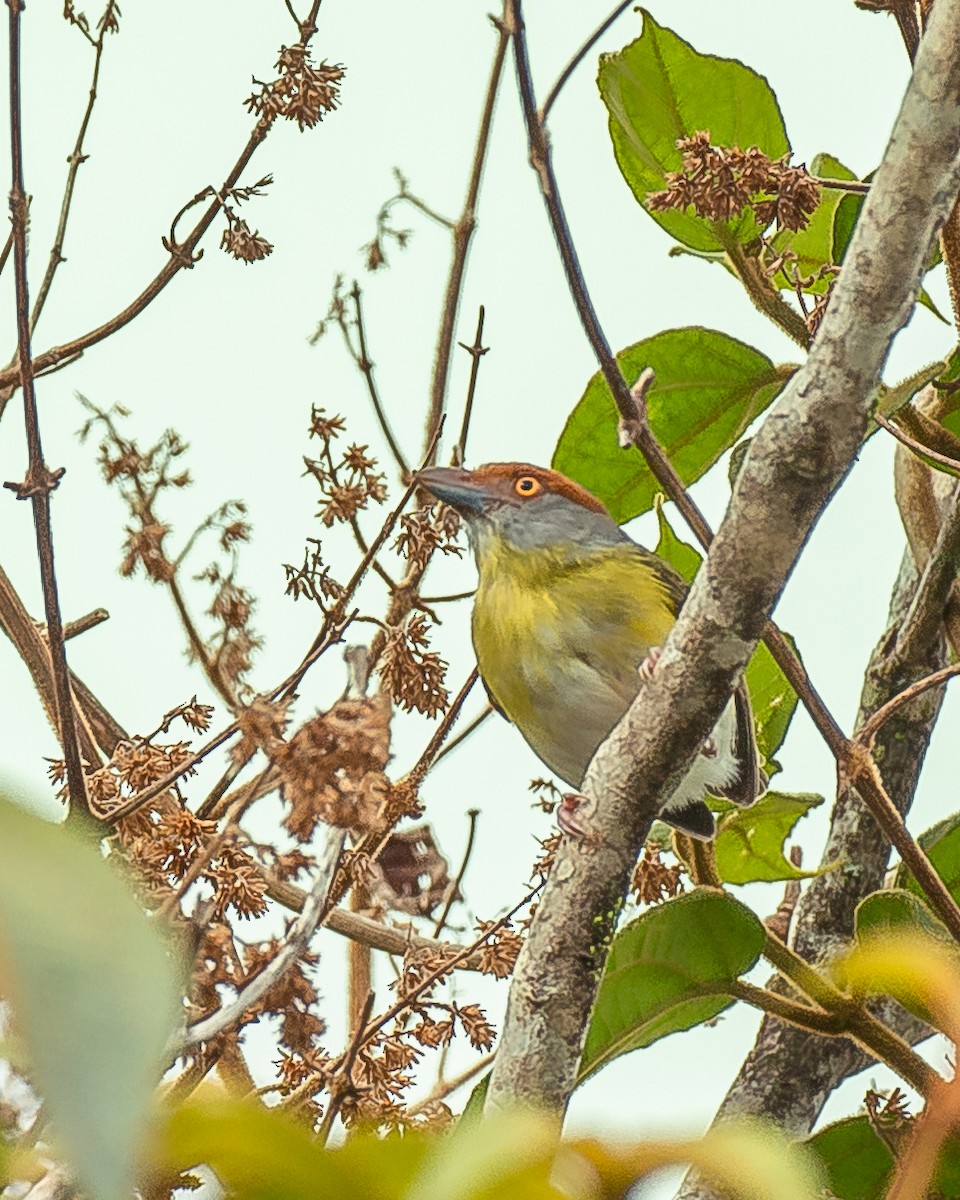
709	748
569	820
649	664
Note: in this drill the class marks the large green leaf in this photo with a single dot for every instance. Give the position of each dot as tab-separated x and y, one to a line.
749	845
708	388
856	1161
94	992
669	970
812	248
659	89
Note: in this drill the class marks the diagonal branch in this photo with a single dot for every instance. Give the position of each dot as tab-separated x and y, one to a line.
798	459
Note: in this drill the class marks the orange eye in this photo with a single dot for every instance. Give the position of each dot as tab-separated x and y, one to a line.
527	486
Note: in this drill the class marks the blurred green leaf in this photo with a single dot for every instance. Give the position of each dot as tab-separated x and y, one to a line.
813	246
856	1162
94	992
668	970
262	1154
659	89
749	844
708	389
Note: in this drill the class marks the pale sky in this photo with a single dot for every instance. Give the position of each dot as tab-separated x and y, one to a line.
223	357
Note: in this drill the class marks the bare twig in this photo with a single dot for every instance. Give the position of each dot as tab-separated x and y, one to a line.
365	366
578	58
446	1087
76	159
340	1082
40	481
453	888
914	445
462	235
476	352
465	732
868	730
296	942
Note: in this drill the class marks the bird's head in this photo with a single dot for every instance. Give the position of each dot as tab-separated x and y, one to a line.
523	507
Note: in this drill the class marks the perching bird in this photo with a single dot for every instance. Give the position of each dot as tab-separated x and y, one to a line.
568	613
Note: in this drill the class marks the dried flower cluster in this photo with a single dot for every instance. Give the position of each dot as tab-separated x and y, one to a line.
653	881
301	92
498	954
109	21
333	767
241	242
346	485
720	183
413	674
313	579
426	530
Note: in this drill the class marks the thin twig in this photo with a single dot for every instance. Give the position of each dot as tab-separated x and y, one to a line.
39	481
446	1087
868	730
340	1083
578	58
365	366
418	772
453	888
296	942
464	733
918	449
476	352
76	159
462	235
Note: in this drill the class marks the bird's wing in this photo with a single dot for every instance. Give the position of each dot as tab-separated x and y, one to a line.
750	781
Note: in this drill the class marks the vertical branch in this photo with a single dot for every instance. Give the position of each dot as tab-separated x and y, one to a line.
462	235
40	481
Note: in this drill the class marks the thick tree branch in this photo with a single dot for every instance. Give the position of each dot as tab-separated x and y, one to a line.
796	462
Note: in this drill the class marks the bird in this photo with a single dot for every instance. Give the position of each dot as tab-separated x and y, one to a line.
569	618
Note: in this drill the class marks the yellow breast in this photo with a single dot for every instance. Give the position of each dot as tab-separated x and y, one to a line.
559	641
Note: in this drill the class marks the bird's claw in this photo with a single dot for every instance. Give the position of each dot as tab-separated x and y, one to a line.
649	664
570	823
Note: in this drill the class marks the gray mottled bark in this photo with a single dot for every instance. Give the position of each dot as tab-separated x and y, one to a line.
797	460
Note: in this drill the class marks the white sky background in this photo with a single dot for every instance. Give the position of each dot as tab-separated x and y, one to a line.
222	356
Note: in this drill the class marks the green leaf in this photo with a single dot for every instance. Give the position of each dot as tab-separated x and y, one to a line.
659	89
94	992
669	970
259	1154
684	559
749	845
942	844
856	1162
708	389
813	246
897	911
